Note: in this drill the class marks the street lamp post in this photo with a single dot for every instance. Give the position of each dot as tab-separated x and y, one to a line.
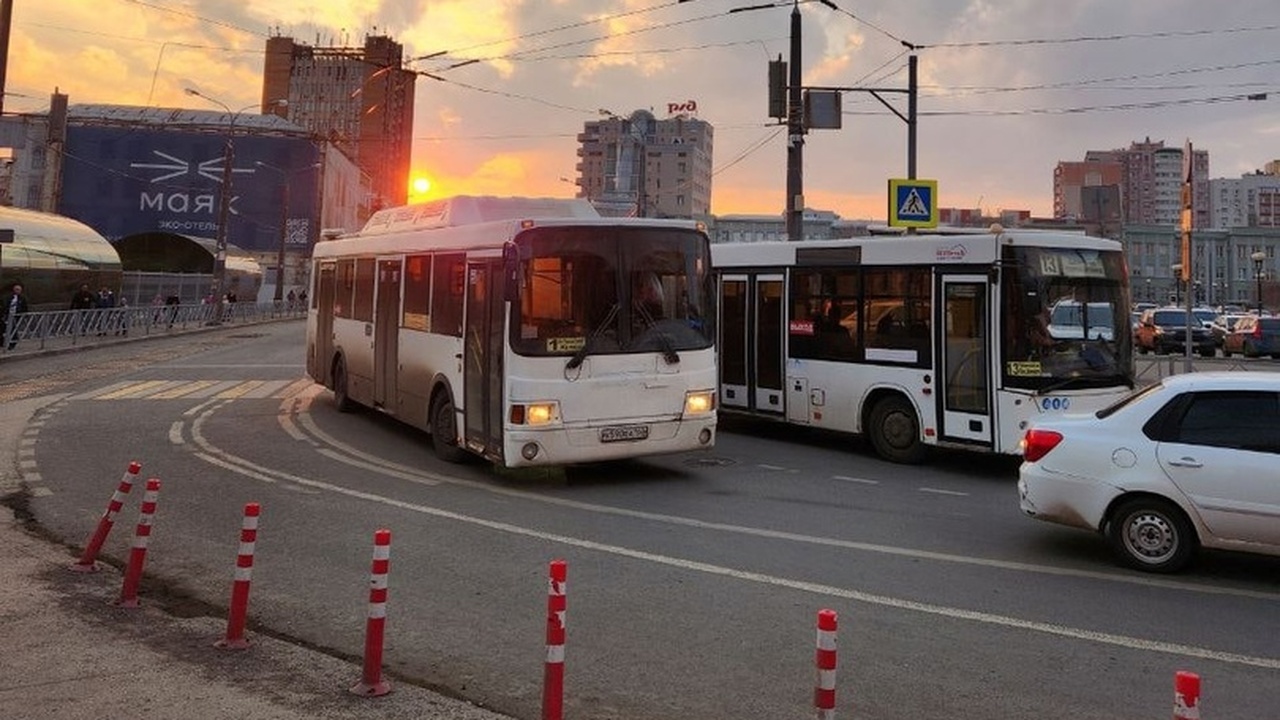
1258	259
284	221
1177	282
224	199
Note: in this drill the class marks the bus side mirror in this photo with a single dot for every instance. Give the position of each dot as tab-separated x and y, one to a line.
510	273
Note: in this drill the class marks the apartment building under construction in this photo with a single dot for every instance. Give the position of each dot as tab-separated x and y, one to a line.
359	98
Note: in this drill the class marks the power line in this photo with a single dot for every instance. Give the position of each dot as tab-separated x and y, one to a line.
195	16
548	31
1102	38
1089	108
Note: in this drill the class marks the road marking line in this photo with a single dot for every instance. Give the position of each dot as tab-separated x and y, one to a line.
183	391
213	389
1124	641
938	491
775	468
92	394
239	390
175	433
861	481
266	389
130	389
297	387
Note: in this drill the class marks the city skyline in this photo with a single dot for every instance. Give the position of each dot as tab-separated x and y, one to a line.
1005	91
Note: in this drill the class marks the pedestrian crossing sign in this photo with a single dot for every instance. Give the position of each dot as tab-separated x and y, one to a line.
913	203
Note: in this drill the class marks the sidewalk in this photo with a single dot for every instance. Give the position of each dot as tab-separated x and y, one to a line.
69	653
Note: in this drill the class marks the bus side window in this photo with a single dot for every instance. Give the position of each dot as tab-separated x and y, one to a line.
447	288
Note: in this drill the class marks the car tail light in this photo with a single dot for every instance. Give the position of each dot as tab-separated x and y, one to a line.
1037	443
1257	331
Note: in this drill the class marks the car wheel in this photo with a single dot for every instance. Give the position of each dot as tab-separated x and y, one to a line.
341	399
895	431
1225	352
1208	352
1151	534
444	433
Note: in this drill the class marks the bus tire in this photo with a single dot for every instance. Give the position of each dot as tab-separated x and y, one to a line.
444	433
895	431
341	399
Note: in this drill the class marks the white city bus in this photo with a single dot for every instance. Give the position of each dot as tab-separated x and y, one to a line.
529	331
924	340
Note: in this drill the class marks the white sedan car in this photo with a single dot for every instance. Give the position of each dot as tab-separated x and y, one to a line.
1192	461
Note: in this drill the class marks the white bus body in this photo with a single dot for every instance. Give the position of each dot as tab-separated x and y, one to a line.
922	340
506	328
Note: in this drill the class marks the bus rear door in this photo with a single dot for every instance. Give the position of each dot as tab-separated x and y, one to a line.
386	336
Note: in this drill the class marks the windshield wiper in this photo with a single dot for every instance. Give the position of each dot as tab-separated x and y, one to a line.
582	352
668	351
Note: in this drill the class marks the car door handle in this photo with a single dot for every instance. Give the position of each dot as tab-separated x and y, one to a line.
1186	462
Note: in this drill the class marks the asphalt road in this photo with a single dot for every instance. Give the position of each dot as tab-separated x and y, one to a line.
694	580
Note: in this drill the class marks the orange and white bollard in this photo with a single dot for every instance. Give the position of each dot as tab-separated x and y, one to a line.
138	553
553	675
371	683
824	691
1186	696
88	561
235	639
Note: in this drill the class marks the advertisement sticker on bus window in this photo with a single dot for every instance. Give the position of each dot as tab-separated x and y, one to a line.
801	327
565	344
1026	368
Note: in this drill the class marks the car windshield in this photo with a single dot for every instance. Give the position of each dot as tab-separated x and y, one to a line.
1066	319
1169	318
612	289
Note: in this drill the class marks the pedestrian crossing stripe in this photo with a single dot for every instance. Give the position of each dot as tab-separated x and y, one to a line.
199	390
913	203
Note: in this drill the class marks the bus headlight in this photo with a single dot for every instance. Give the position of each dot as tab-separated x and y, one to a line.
699	402
535	413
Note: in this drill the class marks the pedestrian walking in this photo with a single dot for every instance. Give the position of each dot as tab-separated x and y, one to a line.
15	304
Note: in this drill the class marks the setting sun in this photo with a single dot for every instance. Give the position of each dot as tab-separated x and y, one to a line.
420	186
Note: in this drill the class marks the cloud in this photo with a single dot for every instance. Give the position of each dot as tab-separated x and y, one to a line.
994	119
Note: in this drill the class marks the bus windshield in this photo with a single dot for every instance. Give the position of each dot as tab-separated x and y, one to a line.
1066	319
599	290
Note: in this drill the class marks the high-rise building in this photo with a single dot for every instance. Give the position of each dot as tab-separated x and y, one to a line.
359	98
646	167
1149	182
1080	190
1247	201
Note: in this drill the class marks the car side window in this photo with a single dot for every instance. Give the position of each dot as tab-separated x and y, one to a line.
1243	420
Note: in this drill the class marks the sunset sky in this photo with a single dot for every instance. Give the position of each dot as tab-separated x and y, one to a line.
1007	87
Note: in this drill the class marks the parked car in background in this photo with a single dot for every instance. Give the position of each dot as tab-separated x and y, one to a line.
1067	321
1205	316
1253	336
1164	330
1222	325
1185	463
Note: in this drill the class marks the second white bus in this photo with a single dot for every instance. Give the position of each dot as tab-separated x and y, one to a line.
924	340
528	331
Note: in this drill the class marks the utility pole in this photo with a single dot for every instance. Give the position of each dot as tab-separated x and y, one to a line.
795	136
6	21
284	235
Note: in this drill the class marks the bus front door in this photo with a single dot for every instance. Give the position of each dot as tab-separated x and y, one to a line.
386	336
964	373
482	358
751	337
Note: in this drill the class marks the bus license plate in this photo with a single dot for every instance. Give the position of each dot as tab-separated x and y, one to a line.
622	433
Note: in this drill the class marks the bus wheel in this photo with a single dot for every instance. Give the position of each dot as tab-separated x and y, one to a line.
444	433
895	432
341	399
